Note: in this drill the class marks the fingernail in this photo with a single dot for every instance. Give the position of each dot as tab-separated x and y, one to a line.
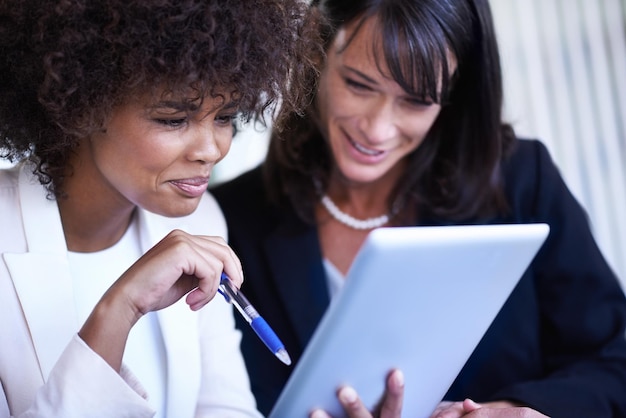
398	377
318	414
348	395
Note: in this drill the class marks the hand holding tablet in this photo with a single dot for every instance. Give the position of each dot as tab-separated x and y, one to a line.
418	299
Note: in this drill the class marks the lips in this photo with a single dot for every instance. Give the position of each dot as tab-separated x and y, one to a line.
365	150
192	187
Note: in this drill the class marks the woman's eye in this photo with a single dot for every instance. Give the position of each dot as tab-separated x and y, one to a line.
417	102
225	120
357	85
172	123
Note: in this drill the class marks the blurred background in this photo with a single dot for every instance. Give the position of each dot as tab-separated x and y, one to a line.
564	64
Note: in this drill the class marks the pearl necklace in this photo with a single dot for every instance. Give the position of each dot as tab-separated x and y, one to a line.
350	221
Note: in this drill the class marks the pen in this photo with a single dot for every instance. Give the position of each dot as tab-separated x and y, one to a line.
258	324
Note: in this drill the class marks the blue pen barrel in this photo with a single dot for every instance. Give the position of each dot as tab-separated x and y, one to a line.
258	324
267	335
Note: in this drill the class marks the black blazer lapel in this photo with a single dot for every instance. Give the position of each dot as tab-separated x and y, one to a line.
294	258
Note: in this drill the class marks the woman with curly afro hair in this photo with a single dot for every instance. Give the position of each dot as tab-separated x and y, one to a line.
115	112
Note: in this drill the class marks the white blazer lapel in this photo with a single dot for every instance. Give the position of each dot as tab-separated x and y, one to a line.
179	326
41	276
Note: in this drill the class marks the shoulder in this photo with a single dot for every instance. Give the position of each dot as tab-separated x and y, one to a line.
23	205
527	157
246	187
9	178
244	199
531	177
536	192
249	212
9	191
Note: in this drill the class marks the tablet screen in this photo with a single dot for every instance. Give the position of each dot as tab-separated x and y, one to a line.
396	310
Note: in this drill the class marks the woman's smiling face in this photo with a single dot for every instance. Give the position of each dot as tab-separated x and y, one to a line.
158	156
369	121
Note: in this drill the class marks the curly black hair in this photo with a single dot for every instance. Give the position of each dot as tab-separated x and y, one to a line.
66	63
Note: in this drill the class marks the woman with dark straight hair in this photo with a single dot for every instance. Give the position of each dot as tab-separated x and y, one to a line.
446	63
405	128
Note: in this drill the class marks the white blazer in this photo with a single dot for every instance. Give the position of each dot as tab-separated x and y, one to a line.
46	370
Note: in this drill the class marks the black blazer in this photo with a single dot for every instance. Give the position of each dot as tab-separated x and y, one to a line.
558	344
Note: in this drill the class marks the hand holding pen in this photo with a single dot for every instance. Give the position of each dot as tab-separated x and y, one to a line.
256	321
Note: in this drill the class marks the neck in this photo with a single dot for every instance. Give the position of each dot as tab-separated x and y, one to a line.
360	200
350	221
360	207
90	229
94	215
368	198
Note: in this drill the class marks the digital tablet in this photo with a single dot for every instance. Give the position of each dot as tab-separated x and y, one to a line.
416	298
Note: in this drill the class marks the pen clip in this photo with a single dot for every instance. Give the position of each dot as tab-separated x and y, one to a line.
219	289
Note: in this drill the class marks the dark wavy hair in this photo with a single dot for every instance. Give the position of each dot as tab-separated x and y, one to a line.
455	173
66	63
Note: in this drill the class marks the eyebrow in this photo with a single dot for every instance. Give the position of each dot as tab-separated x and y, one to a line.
174	104
184	105
230	105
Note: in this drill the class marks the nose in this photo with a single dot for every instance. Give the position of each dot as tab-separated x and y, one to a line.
206	146
378	123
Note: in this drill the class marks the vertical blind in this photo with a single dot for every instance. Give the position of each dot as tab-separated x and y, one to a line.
564	64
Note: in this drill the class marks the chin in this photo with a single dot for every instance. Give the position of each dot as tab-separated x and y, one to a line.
362	176
175	211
